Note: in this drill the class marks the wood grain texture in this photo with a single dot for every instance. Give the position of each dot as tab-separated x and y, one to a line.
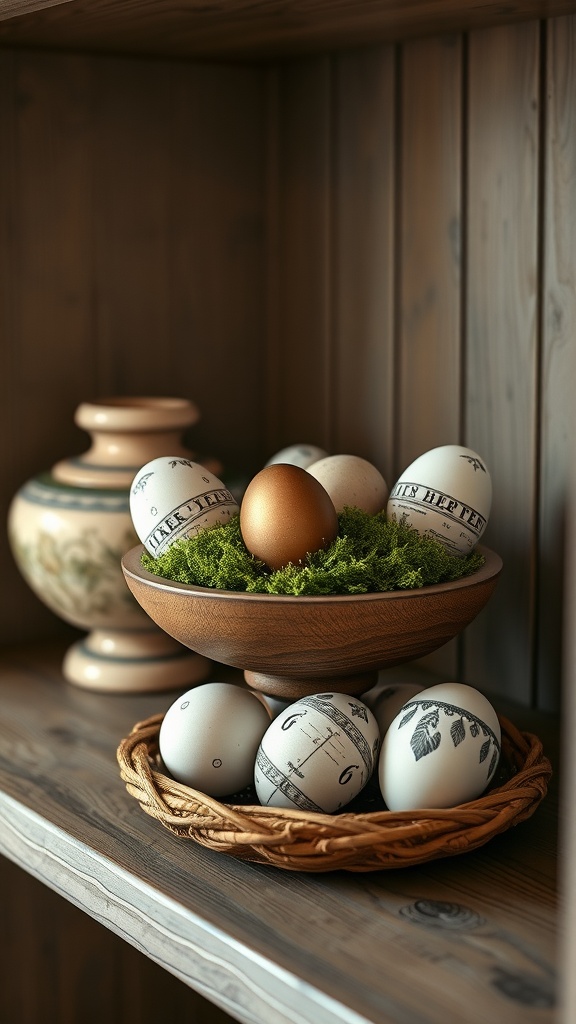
477	932
132	250
178	240
567	879
247	236
298	645
502	334
299	270
46	325
240	28
364	219
216	254
429	259
558	364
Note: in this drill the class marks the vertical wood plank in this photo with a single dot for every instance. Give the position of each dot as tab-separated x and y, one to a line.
429	259
501	349
363	216
558	365
131	209
299	369
45	323
179	233
567	817
429	256
133	257
216	255
557	597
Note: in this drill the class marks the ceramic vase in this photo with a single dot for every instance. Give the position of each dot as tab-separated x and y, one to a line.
68	529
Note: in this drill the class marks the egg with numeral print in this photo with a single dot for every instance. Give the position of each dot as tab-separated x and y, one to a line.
172	498
317	754
209	737
441	750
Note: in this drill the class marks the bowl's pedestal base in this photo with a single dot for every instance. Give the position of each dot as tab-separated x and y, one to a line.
289	688
133	661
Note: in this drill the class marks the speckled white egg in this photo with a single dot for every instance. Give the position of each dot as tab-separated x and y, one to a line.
441	750
385	700
446	493
172	498
209	737
317	754
302	455
351	480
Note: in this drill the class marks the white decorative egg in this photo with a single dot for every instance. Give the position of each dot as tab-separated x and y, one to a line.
317	754
446	493
172	498
209	737
351	480
302	455
274	704
385	700
441	750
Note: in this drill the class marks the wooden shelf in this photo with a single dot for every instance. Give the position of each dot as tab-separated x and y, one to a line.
244	29
468	939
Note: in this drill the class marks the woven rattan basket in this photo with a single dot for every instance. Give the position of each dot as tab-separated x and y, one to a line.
372	841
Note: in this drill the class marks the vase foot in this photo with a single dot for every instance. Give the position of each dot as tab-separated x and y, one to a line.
288	688
133	661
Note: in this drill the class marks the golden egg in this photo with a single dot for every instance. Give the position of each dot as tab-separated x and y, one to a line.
285	514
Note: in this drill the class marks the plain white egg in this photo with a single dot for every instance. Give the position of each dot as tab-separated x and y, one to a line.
386	699
317	754
171	498
302	455
351	480
446	493
209	737
441	750
274	704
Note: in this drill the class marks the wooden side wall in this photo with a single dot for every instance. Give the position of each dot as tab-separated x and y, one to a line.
372	251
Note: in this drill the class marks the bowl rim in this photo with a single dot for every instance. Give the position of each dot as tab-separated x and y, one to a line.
132	568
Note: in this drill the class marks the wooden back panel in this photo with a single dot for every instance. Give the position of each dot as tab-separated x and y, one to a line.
371	250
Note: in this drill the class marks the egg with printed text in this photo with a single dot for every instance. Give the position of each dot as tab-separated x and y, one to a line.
441	750
317	754
172	498
446	494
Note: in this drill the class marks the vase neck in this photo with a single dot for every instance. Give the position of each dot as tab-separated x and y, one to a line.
126	434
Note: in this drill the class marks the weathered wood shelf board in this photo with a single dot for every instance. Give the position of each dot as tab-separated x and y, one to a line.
247	29
467	939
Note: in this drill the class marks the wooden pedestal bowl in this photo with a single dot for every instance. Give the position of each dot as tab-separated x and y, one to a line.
292	646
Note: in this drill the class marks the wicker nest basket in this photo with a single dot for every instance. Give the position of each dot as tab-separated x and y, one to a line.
300	841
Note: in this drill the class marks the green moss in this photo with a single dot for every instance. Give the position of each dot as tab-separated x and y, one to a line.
371	553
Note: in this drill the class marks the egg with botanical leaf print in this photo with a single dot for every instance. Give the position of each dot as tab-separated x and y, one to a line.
441	750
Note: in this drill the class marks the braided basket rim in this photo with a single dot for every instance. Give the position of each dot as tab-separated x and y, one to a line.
303	841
